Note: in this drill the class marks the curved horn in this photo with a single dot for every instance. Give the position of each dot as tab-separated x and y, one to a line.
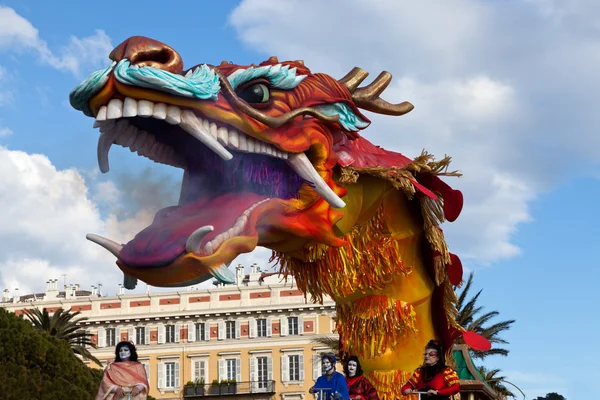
353	78
368	98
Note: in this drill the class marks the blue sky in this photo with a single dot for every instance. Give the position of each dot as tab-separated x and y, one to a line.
508	89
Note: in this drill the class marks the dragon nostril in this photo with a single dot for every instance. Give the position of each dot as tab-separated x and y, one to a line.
146	52
154	57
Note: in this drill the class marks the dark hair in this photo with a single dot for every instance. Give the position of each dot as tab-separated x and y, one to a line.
359	370
131	346
428	372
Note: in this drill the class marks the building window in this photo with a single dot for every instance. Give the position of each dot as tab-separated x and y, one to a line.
294	368
200	331
170	375
230	329
261	327
199	371
140	335
262	371
110	337
82	340
147	368
231	369
170	334
293	326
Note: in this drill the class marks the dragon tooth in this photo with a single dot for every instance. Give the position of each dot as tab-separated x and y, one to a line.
304	168
250	144
208	248
114	109
234	139
193	243
173	115
243	142
145	108
213	130
110	245
101	116
130	107
105	140
194	127
160	111
222	136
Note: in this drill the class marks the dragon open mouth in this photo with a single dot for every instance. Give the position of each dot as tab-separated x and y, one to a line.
228	176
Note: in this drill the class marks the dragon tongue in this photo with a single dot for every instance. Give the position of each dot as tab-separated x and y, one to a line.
165	240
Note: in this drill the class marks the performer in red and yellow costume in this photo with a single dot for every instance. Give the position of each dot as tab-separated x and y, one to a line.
273	155
434	376
359	387
125	375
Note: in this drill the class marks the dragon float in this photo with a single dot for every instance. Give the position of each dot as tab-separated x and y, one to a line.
272	156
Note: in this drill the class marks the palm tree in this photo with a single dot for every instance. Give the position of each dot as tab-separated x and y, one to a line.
469	317
497	382
62	325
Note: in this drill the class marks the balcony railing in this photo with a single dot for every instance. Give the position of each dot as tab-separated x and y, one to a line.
228	389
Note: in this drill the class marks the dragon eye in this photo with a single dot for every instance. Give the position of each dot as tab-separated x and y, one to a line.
255	93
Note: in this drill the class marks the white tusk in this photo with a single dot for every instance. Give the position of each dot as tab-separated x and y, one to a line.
110	245
105	140
194	127
304	168
193	243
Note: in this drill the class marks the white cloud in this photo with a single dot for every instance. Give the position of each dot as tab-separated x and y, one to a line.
45	214
505	103
4	131
18	34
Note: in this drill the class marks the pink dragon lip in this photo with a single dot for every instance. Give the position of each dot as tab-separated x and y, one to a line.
165	239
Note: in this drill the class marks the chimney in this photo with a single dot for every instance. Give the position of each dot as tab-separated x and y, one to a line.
94	291
16	296
51	289
239	274
121	290
6	296
77	287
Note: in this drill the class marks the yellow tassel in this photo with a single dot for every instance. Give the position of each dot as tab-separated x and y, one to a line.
365	324
339	272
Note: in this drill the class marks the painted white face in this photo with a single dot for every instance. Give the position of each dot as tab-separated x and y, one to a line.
327	365
352	366
431	357
124	353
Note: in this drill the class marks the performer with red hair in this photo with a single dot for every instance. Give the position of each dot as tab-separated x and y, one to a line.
434	377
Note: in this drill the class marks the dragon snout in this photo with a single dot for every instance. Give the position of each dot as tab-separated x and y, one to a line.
146	52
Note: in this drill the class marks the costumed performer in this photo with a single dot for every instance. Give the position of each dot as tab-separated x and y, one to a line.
126	375
434	377
332	382
359	387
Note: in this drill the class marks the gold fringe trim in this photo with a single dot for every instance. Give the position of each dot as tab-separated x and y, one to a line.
371	325
389	383
400	177
367	263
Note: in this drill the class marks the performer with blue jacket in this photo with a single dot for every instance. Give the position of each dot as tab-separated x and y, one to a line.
332	383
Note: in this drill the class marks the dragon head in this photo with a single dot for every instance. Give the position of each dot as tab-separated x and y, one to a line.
257	145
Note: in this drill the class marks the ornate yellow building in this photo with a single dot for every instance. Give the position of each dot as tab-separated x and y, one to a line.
258	335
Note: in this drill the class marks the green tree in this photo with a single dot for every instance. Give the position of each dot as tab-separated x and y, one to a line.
551	396
34	365
63	325
490	376
471	317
